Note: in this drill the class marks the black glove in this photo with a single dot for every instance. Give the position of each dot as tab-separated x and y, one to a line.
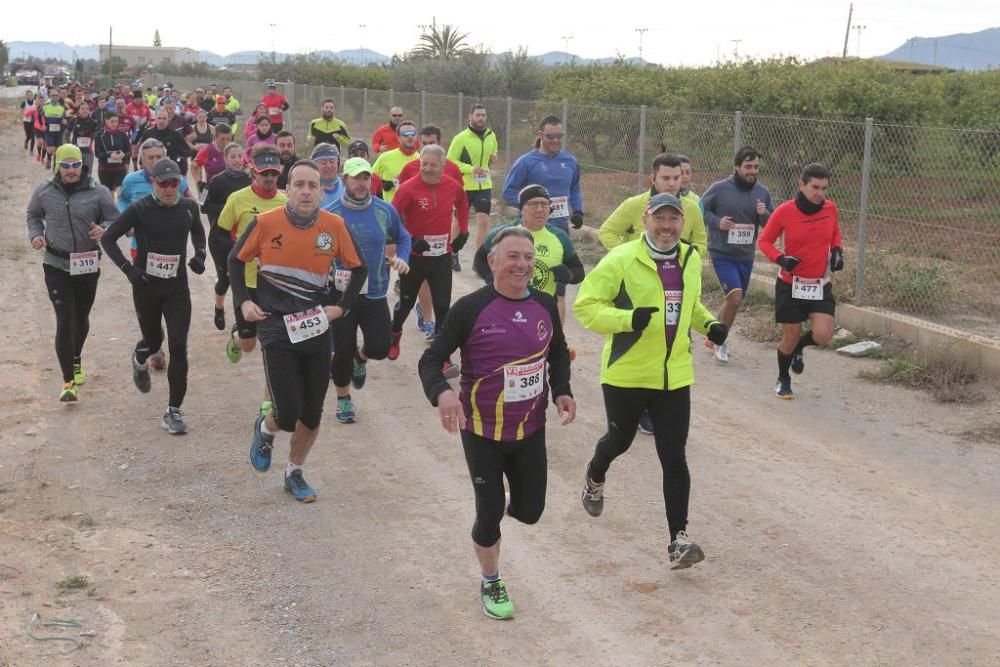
717	333
641	317
197	263
561	273
837	259
788	263
576	219
387	185
137	276
420	245
459	241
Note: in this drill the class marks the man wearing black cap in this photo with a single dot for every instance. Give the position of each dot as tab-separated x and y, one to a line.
161	224
359	148
645	296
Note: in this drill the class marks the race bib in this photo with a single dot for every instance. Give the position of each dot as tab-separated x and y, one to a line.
523	381
672	306
114	160
307	324
341	277
83	142
560	207
162	266
438	244
274	111
810	289
54	127
481	179
741	234
83	262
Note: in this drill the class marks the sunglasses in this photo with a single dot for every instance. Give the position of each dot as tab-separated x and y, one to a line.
170	183
408	133
553	135
75	164
397	115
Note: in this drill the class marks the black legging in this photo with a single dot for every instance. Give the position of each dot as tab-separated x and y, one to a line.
372	317
437	272
29	136
671	413
524	464
297	376
219	245
72	298
169	300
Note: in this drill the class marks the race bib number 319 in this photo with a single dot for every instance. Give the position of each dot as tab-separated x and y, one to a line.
82	262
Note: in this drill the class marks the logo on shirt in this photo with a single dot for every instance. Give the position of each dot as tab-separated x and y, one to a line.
519	318
542	330
540	277
276	242
492	329
542	249
324	242
424	204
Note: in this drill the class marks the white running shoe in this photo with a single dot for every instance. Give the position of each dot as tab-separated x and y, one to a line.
722	353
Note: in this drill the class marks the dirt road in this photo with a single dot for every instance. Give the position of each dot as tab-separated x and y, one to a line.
852	526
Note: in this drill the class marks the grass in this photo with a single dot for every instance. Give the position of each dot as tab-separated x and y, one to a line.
74	583
945	379
989	433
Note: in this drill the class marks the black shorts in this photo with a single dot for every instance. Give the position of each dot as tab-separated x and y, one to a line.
298	375
39	134
111	179
245	330
480	200
794	311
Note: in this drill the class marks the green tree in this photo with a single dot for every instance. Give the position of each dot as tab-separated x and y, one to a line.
4	55
156	39
520	77
441	43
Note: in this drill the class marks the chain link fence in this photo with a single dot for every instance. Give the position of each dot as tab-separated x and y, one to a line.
920	206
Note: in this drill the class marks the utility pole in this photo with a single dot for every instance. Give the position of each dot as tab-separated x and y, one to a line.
566	39
935	53
860	29
110	55
847	33
736	48
364	59
641	31
273	54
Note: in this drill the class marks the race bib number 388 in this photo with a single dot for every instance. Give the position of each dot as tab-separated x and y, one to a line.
523	381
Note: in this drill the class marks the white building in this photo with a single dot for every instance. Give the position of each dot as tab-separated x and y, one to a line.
151	56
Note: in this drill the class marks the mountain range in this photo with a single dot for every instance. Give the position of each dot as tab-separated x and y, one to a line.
967	51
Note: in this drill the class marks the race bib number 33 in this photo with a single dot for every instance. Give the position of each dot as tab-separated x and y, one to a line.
672	307
307	324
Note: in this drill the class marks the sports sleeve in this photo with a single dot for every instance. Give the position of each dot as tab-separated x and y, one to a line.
558	359
708	205
572	267
575	193
245	250
36	215
512	183
694	232
201	158
399	235
350	257
454	332
837	241
455	154
462	209
108	211
594	306
197	230
227	217
109	240
615	230
772	230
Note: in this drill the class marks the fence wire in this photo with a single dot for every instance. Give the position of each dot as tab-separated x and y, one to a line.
927	244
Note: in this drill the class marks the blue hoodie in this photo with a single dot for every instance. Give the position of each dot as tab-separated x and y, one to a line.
559	174
373	228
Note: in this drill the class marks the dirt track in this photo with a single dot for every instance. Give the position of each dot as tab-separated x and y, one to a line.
851	526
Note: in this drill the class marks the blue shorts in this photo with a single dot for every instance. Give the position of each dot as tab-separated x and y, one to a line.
733	274
54	139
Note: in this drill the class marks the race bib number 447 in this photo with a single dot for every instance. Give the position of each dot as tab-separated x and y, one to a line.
162	266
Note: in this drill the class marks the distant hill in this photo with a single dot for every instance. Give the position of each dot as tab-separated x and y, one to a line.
556	58
968	51
53	50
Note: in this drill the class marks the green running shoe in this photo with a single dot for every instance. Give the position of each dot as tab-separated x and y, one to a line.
69	393
79	377
496	602
233	351
265	407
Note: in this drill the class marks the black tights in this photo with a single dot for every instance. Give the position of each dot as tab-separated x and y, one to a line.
72	298
165	300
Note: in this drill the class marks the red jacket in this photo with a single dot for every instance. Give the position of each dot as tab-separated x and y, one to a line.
275	103
412	169
384	139
426	210
808	237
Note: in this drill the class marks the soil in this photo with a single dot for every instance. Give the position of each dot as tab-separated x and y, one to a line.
855	525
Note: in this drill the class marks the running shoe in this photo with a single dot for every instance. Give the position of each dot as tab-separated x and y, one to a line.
393	353
722	353
140	375
220	319
265	407
233	351
79	377
496	602
260	446
456	266
421	322
450	370
646	423
158	361
359	374
296	485
593	496
783	389
173	421
69	393
798	362
429	331
684	552
345	411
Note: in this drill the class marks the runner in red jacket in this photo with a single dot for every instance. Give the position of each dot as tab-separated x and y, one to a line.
811	249
276	105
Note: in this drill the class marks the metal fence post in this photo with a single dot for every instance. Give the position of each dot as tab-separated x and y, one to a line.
291	103
364	112
341	105
565	116
460	106
866	181
392	97
737	131
322	93
506	133
642	147
423	107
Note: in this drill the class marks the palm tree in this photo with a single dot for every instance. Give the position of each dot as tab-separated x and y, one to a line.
443	43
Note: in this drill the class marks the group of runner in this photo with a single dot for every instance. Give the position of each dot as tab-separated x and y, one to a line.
308	246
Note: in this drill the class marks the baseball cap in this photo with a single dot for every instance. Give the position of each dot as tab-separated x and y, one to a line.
530	192
267	160
357	145
166	169
325	152
656	202
357	166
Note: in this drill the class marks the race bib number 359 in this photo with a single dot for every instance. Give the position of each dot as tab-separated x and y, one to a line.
307	324
741	234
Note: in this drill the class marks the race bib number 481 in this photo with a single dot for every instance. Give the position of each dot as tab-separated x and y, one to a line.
560	207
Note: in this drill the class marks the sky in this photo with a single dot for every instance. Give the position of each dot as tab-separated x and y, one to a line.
681	34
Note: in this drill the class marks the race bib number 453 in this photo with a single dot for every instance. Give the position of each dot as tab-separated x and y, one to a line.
307	324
